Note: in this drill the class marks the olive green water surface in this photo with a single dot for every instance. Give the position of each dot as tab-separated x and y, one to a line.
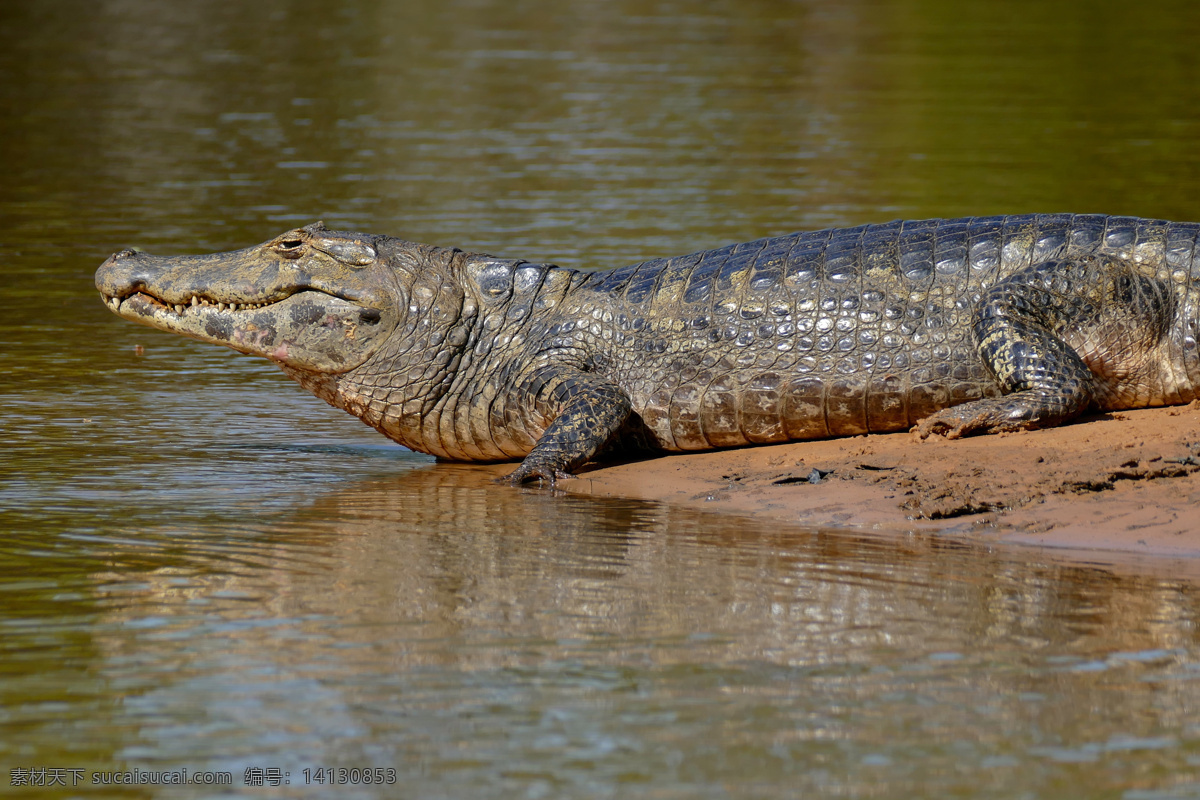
203	568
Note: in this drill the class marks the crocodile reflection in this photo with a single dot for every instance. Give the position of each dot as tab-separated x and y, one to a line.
440	549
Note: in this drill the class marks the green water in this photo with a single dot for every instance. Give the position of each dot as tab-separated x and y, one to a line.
203	568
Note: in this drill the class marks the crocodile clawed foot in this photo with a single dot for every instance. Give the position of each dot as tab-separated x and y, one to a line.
930	426
990	415
526	473
949	426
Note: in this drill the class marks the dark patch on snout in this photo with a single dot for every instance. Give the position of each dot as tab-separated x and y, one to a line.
307	314
219	328
145	310
261	332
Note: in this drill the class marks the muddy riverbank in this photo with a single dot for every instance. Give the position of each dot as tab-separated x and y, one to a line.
1121	481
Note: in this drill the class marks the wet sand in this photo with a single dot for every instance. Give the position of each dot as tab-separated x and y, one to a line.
1126	481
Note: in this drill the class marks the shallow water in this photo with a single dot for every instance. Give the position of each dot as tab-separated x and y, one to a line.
203	568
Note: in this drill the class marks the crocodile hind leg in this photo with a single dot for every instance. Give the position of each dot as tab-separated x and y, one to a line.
586	410
1055	336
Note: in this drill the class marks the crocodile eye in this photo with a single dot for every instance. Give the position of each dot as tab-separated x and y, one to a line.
290	248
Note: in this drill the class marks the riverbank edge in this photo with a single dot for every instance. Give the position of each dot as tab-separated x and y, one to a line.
1122	482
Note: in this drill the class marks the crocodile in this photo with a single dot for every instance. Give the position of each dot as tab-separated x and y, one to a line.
948	327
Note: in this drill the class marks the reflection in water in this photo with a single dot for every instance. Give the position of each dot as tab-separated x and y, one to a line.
483	640
201	566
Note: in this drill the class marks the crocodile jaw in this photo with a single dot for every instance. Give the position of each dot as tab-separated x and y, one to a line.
308	330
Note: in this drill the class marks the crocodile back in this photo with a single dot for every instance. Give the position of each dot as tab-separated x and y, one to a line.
836	332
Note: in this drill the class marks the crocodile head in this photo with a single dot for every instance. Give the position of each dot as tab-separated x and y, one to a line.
312	299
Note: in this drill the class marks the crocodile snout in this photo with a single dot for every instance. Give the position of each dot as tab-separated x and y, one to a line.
123	273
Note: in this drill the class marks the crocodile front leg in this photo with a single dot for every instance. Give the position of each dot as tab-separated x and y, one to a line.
587	411
1038	330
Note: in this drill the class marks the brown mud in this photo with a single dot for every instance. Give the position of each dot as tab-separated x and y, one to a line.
1120	481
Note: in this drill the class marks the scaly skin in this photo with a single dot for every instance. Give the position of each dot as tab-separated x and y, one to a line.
953	326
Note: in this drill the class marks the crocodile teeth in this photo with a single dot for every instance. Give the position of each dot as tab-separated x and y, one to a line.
179	309
241	306
195	302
